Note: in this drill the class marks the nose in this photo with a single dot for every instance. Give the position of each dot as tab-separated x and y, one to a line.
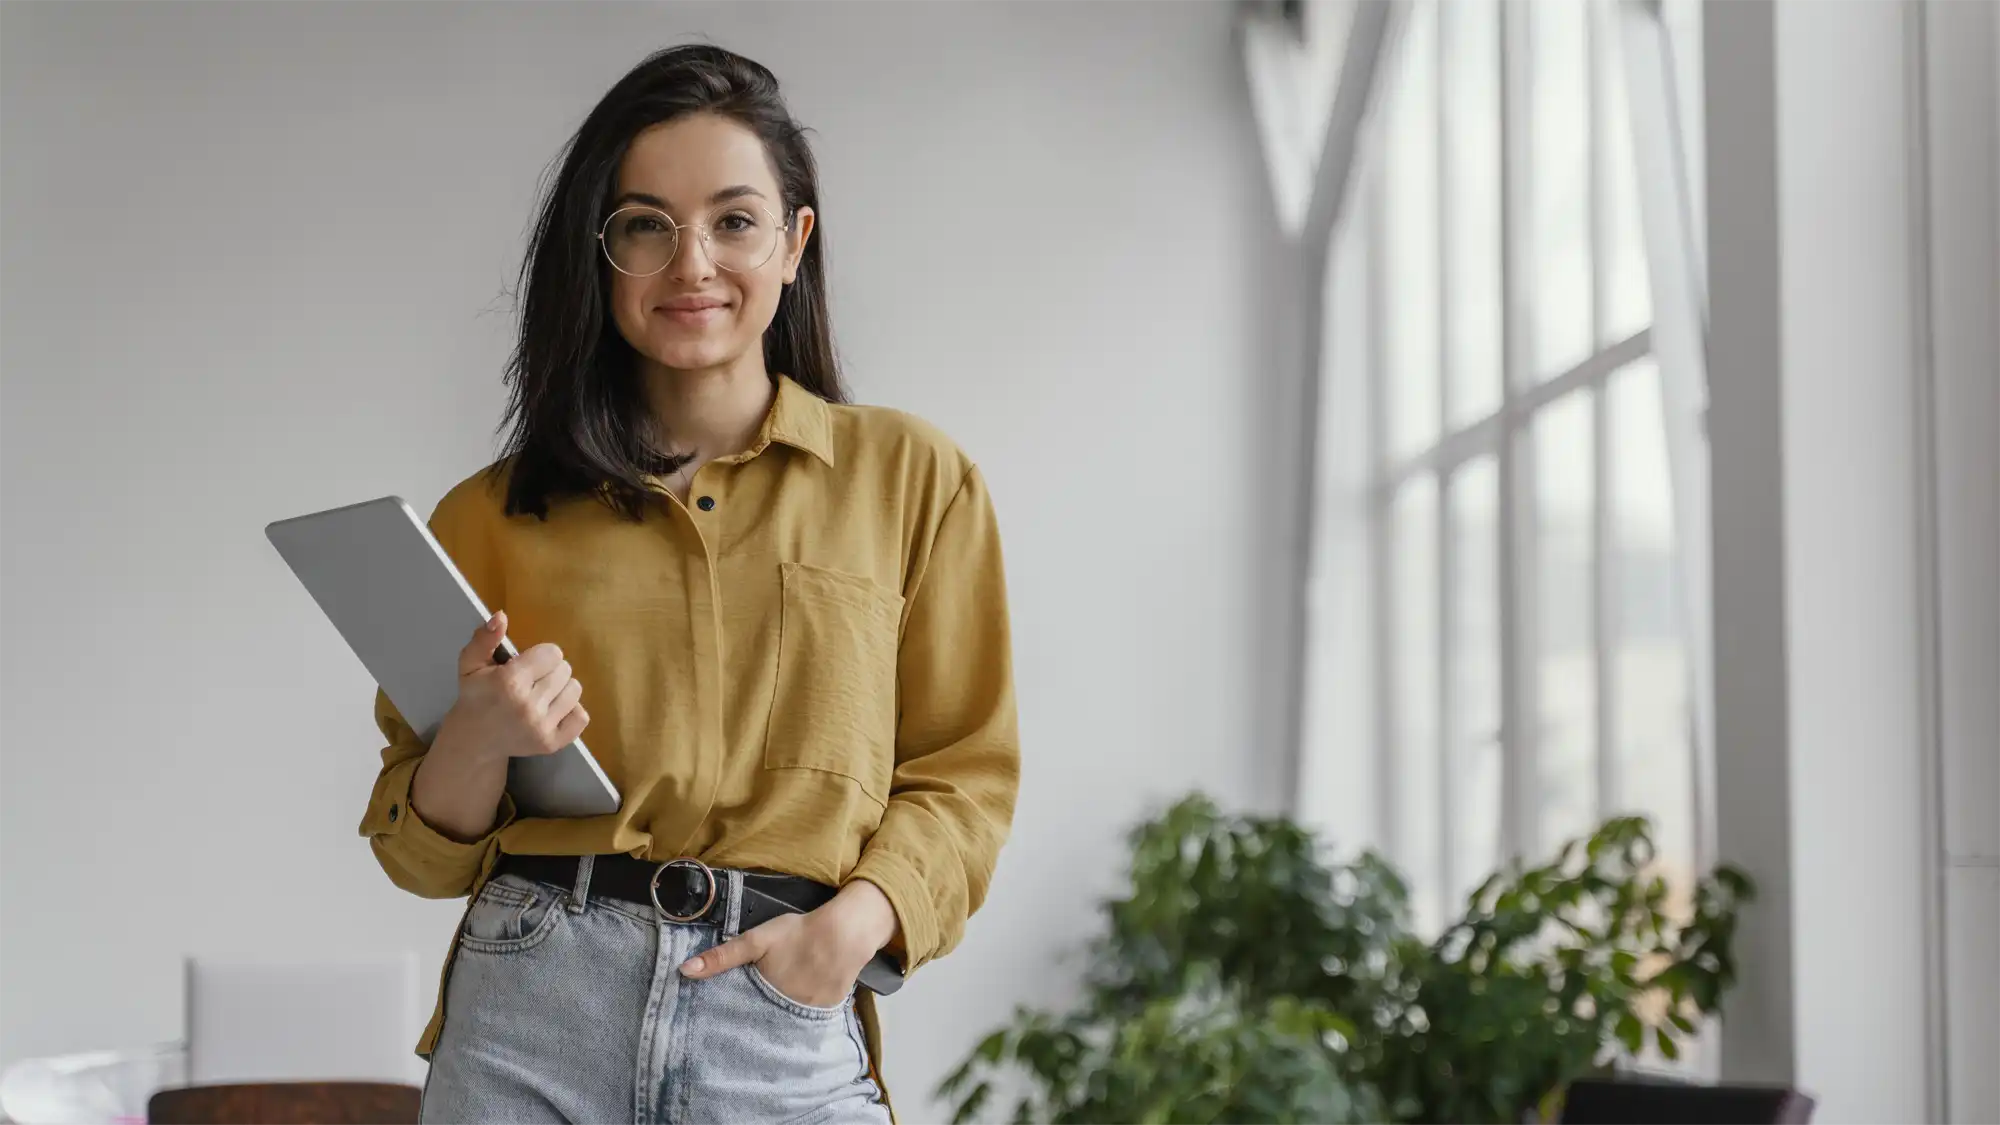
691	261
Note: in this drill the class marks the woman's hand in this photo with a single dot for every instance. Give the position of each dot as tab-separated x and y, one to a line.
525	706
813	958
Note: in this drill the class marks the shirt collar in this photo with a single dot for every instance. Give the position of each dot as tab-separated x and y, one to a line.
800	419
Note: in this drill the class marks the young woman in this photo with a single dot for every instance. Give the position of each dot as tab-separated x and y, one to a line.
779	619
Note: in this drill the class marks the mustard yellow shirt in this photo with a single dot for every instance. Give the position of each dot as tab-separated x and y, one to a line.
812	675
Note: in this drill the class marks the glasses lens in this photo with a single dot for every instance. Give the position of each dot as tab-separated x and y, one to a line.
640	240
742	237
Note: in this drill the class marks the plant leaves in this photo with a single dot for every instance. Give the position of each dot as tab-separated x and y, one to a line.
1247	974
1668	1047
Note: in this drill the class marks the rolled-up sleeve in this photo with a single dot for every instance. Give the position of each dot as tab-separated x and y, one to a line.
958	748
417	857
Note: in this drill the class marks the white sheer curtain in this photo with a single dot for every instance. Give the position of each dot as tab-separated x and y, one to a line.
1505	607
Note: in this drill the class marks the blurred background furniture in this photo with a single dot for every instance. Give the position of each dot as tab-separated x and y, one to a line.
353	1019
288	1103
1632	1101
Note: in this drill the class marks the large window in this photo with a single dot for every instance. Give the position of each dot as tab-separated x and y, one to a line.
1501	646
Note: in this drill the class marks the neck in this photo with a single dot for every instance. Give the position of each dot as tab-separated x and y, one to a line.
708	413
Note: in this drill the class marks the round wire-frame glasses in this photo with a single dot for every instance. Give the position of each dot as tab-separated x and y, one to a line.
739	252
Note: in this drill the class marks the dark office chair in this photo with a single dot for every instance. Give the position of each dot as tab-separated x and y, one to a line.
1635	1101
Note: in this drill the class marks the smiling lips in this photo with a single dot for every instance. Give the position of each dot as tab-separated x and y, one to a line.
694	310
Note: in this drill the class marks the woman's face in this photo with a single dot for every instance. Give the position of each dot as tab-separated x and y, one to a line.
711	303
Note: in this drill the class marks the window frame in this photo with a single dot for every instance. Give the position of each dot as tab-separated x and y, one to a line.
1674	340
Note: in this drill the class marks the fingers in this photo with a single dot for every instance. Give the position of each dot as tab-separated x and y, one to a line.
478	652
571	726
535	663
564	716
551	685
736	952
554	708
545	693
533	678
565	697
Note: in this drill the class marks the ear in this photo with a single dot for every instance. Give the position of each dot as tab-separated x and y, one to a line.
795	242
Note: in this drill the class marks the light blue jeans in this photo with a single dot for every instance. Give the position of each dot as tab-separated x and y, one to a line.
565	1008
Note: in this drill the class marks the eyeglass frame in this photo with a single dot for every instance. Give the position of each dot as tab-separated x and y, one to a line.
706	233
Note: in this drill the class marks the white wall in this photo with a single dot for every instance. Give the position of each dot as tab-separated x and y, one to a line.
1851	580
1962	42
1824	720
254	265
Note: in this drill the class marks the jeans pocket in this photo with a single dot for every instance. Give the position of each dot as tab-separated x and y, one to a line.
509	915
770	1058
785	1003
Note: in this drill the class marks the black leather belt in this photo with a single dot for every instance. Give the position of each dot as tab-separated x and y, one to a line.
689	891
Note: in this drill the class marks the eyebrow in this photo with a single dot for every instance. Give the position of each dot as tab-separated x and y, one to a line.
735	191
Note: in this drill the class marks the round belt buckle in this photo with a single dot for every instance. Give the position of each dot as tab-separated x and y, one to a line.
684	861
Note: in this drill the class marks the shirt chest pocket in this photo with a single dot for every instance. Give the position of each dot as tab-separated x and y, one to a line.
834	707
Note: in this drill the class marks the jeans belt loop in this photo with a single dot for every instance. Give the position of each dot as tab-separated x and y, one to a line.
579	895
732	919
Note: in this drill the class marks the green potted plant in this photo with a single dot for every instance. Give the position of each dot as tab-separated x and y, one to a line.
1243	977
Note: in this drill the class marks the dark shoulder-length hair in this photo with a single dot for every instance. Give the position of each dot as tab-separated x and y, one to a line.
576	412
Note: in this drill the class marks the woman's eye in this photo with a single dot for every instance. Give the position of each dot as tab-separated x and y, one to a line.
641	225
736	224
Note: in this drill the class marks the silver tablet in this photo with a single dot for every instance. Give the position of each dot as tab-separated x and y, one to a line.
406	611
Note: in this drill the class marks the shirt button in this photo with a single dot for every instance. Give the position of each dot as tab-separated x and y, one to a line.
393	809
706	503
